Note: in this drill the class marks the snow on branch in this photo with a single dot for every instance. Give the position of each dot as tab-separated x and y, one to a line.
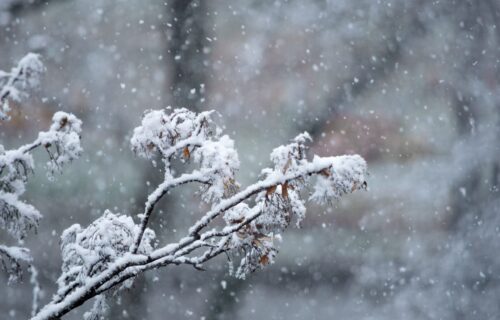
11	259
186	135
62	142
113	250
16	84
87	252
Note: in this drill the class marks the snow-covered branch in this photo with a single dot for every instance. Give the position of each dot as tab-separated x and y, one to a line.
62	143
11	258
107	255
14	85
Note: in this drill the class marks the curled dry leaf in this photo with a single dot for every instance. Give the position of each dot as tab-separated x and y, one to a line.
185	153
270	190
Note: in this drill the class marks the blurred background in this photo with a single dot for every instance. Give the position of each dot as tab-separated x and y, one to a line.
411	85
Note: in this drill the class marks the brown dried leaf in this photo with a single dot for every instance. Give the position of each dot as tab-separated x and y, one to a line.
284	190
236	221
325	172
186	153
270	190
64	122
264	260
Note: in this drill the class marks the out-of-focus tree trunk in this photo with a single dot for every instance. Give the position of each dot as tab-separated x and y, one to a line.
21	6
366	71
494	6
186	65
467	192
186	51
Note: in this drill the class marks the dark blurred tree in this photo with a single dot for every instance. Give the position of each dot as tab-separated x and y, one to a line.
19	7
186	66
400	27
474	20
186	36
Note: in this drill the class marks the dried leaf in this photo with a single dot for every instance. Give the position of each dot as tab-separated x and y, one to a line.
270	190
63	122
236	221
264	260
284	190
186	153
325	172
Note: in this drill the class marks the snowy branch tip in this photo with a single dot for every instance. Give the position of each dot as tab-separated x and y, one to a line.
14	85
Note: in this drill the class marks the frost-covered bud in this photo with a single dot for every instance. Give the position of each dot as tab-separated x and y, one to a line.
346	174
259	254
66	123
161	131
280	206
235	216
185	135
288	156
255	247
154	133
62	141
218	161
89	251
30	68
